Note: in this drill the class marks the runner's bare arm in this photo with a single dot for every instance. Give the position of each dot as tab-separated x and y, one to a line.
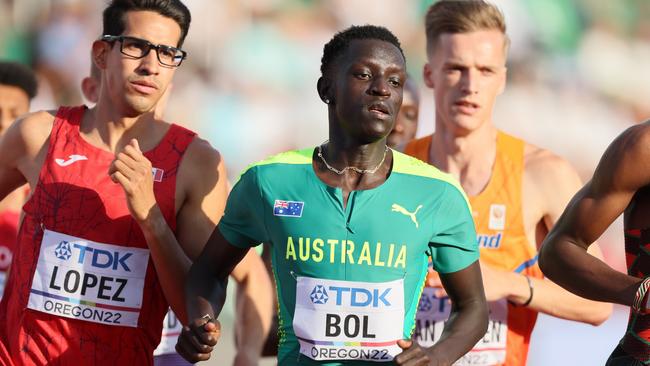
205	292
467	322
549	183
23	149
200	196
623	169
254	308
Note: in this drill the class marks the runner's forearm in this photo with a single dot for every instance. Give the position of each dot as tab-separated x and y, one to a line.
254	313
169	259
468	319
466	325
554	300
570	266
205	292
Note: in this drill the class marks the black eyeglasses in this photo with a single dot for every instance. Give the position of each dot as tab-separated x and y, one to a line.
139	48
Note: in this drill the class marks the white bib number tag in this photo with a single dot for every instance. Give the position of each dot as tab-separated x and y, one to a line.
347	320
432	314
172	328
80	279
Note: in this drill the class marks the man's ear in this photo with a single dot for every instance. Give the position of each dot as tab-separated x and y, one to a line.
90	89
427	75
324	88
503	81
100	51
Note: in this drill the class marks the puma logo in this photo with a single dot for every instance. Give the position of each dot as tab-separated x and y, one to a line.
403	211
72	159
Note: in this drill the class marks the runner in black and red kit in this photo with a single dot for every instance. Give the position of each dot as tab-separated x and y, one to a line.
620	185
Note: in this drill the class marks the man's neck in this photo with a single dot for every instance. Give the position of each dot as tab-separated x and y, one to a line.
343	152
469	158
105	128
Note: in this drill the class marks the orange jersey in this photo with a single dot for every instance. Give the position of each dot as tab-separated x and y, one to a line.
503	244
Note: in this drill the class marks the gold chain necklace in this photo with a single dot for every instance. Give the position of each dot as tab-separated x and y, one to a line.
353	168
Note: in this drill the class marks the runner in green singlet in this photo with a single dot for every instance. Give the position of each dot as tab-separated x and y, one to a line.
351	225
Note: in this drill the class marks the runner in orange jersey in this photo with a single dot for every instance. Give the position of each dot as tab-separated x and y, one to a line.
517	190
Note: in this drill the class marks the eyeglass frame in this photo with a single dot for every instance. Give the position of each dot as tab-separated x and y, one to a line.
110	39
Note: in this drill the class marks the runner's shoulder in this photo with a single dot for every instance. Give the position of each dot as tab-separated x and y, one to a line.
540	163
36	122
634	140
200	152
201	163
288	159
626	162
31	131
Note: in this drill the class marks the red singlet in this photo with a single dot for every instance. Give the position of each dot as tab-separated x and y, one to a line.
83	289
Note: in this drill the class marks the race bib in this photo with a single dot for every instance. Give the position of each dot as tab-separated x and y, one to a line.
172	328
346	320
434	311
80	279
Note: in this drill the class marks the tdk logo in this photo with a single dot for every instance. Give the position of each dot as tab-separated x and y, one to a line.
425	303
63	251
360	297
319	295
98	258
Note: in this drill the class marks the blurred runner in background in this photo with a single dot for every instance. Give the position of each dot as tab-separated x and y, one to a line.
18	86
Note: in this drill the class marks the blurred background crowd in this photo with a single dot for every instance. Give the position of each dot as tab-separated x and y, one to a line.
577	77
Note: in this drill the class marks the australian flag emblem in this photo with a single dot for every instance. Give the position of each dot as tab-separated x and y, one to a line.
288	208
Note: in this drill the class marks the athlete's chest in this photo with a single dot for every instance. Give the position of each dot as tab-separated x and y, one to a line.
311	229
382	214
504	230
75	194
81	180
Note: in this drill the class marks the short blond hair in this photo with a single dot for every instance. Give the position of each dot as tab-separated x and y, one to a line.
462	16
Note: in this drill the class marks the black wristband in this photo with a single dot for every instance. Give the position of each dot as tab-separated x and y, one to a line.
530	297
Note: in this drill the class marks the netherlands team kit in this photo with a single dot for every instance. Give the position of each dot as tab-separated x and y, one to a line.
501	236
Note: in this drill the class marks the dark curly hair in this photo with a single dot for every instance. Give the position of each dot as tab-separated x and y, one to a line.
341	41
18	75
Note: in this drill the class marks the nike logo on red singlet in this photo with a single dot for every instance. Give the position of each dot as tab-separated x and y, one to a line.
72	159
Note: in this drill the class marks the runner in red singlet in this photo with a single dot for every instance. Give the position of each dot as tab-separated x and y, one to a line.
165	354
119	201
18	86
